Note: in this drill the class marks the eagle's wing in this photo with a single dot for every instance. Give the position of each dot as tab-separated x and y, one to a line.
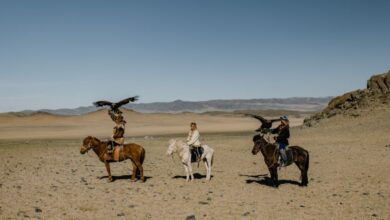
258	117
125	101
102	103
265	124
275	120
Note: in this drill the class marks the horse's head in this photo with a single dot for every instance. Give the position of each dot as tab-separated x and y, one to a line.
172	147
87	145
258	141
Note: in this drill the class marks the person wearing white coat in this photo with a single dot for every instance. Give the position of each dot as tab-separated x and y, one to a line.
193	140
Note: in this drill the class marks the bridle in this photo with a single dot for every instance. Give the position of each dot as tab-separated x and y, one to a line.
89	147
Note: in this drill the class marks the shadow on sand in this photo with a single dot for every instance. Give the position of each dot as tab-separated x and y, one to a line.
124	177
266	181
196	176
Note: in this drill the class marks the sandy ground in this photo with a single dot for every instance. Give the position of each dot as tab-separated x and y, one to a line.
348	178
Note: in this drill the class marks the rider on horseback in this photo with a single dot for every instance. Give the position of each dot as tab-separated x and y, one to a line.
193	140
118	131
281	140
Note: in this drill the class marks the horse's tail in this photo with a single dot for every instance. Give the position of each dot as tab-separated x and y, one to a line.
307	161
142	156
212	159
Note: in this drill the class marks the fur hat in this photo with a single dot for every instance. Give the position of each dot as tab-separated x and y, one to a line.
284	118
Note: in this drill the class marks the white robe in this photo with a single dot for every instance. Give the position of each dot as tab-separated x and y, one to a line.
194	138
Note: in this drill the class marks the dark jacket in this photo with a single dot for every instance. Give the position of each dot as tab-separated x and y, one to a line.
283	134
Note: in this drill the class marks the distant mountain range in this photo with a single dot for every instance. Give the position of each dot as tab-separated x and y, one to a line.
178	106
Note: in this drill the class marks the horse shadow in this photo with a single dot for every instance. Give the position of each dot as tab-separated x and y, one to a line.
267	181
123	177
196	176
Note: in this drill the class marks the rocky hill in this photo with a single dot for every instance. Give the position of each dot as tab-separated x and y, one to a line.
354	103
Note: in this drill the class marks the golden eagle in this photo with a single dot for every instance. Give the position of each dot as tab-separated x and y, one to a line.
115	106
266	124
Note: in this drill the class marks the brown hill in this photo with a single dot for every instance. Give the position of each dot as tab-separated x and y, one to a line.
355	103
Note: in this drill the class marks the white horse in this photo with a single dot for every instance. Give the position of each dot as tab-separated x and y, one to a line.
183	150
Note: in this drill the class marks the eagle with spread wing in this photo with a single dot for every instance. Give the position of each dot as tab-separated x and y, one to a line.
115	106
266	124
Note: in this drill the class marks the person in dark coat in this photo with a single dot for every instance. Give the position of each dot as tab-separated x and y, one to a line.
283	134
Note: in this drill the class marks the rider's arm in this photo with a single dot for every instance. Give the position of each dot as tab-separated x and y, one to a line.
189	136
194	138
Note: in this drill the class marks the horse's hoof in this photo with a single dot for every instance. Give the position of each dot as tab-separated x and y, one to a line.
132	180
110	180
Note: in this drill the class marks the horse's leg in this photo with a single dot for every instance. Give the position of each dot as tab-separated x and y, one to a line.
210	161
108	171
301	166
207	169
209	158
274	176
187	173
305	180
190	169
301	159
134	171
141	170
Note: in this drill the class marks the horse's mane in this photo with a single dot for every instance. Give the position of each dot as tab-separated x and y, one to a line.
92	138
176	141
258	137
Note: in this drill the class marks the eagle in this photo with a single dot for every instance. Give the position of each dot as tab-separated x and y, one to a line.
115	106
266	124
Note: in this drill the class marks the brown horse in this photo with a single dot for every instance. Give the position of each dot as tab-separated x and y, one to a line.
134	152
270	152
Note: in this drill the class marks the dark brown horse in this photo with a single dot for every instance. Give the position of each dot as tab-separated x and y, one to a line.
134	152
270	152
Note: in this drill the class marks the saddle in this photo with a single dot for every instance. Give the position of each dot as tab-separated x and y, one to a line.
196	153
115	149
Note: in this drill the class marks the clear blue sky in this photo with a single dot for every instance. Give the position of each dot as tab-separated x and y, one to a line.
56	54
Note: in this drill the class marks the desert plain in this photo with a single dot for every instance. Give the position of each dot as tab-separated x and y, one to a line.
44	176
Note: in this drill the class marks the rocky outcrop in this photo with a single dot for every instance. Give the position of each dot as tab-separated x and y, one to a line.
376	93
379	83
